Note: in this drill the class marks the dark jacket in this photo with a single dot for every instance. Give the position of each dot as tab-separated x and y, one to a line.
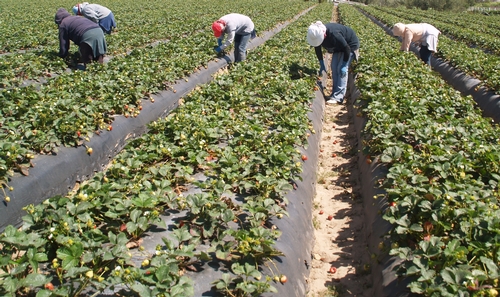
339	38
71	28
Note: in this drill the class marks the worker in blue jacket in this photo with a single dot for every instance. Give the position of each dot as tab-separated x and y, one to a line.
86	34
340	41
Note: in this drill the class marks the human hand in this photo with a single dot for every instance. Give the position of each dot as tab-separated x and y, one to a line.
217	49
322	67
343	71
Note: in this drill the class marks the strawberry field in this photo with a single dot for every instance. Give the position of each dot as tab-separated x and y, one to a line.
219	180
242	133
442	163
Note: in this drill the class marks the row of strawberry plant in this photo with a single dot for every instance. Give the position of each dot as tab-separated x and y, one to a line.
480	22
443	167
241	131
69	108
159	20
472	61
140	25
461	33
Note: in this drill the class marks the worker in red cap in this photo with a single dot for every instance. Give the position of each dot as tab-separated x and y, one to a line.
239	29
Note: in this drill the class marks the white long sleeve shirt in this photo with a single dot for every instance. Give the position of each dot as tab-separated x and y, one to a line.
235	24
94	12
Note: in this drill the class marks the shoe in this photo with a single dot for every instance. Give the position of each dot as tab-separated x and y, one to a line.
330	100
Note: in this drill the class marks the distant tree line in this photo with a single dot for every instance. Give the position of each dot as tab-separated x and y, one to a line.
454	5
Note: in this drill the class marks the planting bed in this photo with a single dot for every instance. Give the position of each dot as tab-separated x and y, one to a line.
206	187
134	198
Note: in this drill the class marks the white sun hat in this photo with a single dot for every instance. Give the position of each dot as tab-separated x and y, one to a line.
316	33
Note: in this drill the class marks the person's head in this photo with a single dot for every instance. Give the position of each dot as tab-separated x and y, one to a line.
77	9
316	33
61	14
218	27
398	29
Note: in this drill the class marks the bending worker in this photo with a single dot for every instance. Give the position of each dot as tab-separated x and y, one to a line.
239	29
340	41
98	14
84	33
425	34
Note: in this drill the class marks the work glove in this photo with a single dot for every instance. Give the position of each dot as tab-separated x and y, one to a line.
219	41
343	70
217	49
322	67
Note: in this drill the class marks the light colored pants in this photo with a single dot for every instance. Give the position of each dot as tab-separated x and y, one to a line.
339	83
240	47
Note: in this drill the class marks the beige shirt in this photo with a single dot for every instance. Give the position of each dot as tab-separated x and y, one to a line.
422	33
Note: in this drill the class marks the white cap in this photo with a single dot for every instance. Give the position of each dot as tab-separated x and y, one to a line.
316	33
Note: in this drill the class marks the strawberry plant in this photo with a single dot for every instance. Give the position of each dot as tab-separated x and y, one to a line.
54	113
440	155
244	143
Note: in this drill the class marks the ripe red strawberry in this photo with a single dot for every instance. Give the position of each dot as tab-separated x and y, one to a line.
49	286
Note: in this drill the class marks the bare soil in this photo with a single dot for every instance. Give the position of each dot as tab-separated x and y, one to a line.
340	259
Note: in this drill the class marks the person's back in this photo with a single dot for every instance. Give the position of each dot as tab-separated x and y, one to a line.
86	34
240	24
73	27
94	12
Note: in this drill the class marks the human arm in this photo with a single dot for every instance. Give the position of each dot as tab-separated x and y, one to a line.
229	39
322	66
407	39
319	55
344	67
218	48
64	43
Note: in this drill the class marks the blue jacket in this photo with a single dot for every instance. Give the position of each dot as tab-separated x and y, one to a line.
339	38
71	28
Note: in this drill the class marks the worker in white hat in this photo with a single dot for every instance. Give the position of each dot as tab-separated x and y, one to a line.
341	41
424	34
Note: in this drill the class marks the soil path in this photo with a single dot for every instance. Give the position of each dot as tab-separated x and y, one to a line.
340	258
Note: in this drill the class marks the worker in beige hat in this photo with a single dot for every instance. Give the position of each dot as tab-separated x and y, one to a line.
424	34
340	41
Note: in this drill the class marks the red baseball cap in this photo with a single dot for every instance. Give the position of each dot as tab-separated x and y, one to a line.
218	27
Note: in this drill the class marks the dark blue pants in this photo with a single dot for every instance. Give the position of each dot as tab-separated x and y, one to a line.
425	54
